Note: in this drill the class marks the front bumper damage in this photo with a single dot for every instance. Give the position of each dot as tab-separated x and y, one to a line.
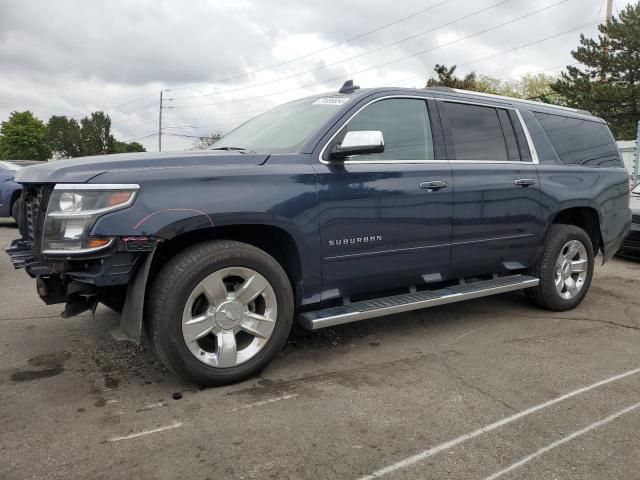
116	278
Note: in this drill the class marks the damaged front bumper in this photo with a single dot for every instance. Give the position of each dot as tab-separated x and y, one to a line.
116	278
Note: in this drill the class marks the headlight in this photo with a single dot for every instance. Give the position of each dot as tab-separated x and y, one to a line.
72	211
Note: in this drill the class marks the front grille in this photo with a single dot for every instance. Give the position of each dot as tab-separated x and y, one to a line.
33	210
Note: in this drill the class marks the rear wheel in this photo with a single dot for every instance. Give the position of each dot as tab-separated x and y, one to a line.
220	311
565	269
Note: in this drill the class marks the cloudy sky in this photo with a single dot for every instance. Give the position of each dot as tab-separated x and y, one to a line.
225	61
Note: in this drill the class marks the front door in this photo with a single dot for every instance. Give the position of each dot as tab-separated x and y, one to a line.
385	218
496	217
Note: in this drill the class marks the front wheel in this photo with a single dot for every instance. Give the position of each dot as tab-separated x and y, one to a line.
220	311
565	269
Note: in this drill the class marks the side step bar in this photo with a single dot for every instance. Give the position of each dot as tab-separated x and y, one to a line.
379	307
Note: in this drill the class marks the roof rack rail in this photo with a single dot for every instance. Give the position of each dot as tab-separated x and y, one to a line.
503	97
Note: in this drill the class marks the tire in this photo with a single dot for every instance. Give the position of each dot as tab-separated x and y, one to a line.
554	291
15	210
208	286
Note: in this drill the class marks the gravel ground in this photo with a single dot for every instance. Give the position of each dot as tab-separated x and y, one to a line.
491	388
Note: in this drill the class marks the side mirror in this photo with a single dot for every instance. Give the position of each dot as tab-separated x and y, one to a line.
359	143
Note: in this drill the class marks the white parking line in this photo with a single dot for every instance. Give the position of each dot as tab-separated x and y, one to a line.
566	439
476	433
147	432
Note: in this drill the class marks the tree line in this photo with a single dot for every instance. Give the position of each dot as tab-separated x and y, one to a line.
25	137
604	80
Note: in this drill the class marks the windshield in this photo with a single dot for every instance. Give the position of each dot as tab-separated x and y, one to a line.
10	166
283	129
636	189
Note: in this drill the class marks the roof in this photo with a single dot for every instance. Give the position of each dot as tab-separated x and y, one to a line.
468	94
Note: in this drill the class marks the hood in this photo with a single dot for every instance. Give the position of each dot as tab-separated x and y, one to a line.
83	169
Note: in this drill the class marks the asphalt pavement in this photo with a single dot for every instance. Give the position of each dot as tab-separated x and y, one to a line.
489	388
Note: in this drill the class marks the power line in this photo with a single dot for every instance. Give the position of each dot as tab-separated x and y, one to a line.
315	52
141	137
286	62
368	52
115	107
416	54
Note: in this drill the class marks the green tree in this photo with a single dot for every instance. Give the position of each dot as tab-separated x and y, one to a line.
24	137
123	147
446	78
64	136
205	142
95	134
529	87
608	81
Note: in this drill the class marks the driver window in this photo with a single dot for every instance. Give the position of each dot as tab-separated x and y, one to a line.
404	124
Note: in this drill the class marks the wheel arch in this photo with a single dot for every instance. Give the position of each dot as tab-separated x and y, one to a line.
274	240
585	217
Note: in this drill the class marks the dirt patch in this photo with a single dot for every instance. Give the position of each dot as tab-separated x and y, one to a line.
29	375
124	362
50	360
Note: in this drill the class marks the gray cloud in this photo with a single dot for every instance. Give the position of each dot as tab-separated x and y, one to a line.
72	57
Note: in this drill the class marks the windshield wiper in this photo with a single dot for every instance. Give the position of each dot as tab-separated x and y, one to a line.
229	148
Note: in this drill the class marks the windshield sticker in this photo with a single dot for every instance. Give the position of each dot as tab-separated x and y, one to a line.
331	101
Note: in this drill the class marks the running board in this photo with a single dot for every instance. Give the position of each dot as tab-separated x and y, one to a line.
379	307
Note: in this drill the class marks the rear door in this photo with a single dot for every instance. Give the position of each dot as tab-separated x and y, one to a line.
381	226
496	215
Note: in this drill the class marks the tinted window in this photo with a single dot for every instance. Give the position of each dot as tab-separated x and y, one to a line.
404	123
579	141
509	135
476	132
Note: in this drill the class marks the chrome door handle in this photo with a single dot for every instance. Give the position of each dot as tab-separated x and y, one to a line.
524	182
433	185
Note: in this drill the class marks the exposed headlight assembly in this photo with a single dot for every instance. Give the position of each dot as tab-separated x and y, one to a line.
72	211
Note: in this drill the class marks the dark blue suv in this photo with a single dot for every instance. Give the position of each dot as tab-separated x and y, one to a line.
329	209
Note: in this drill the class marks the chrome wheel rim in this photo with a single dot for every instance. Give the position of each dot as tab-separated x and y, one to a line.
571	269
229	317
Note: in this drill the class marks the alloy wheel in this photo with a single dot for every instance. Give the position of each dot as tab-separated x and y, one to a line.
229	317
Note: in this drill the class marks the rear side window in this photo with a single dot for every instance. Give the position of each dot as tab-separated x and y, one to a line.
476	133
580	142
404	123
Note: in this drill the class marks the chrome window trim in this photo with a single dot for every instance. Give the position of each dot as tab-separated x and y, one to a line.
517	100
97	186
364	162
80	251
497	162
532	149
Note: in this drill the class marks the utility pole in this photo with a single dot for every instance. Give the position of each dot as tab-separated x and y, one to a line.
636	160
605	43
607	22
160	124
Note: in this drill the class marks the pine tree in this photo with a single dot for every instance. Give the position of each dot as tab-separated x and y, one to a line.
608	81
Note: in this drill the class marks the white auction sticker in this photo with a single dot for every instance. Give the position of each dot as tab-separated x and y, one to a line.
331	101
